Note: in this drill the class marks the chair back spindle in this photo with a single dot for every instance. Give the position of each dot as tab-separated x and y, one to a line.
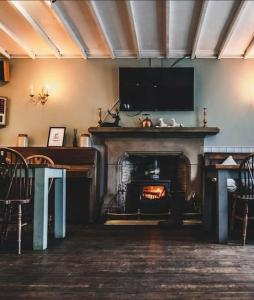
246	176
13	175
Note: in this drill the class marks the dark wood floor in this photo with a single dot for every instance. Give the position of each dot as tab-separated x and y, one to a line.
110	262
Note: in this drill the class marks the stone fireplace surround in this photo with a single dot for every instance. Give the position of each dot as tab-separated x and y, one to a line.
114	143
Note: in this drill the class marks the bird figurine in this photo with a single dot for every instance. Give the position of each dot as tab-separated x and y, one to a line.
175	124
162	123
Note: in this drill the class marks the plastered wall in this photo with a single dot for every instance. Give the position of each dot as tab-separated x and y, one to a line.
79	87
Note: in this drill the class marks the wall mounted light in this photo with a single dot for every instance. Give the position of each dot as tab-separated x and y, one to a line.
42	97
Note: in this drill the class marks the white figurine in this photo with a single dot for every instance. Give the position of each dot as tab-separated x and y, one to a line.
162	123
175	124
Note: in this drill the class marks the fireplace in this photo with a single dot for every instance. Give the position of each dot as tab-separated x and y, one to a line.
117	144
150	184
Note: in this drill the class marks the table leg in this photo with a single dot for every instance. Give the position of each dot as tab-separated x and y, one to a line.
60	206
209	199
222	206
92	198
40	222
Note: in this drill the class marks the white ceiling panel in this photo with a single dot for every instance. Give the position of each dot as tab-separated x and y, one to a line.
127	28
217	20
10	46
116	20
243	32
44	16
150	20
16	23
83	19
183	21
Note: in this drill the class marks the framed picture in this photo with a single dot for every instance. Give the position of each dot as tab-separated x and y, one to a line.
56	136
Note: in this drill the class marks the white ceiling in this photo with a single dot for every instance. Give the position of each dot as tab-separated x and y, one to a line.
124	28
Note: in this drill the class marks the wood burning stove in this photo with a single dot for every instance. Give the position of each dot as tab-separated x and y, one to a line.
148	196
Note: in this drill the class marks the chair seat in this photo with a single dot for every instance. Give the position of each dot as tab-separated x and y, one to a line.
15	201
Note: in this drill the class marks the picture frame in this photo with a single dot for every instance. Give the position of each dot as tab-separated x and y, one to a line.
56	136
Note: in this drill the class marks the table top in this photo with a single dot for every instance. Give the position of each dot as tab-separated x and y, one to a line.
48	166
68	168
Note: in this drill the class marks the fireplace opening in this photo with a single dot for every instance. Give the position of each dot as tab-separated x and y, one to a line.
151	184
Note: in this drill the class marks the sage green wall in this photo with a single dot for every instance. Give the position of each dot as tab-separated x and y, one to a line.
78	87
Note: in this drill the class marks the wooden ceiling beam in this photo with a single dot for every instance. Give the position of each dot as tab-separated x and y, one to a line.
36	27
101	25
134	26
248	49
199	29
232	26
17	40
4	53
69	26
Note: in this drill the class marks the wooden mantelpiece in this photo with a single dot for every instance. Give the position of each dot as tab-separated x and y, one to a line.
154	131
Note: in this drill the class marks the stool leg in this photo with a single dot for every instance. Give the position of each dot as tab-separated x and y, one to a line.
245	222
19	228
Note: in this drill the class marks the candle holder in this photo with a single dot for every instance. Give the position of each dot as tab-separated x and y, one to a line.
100	117
42	97
204	117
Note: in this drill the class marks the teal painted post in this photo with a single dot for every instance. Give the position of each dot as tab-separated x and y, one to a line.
222	206
60	205
40	230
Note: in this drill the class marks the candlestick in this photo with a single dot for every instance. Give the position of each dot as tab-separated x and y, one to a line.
100	119
204	117
31	90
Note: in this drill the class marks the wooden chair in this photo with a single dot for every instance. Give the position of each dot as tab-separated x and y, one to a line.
243	199
14	191
39	159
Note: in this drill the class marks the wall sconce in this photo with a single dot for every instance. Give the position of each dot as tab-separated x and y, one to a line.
42	97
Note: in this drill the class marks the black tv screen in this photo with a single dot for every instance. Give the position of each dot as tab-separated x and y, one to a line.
156	89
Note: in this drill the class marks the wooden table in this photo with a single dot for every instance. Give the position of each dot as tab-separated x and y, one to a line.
219	174
79	162
41	175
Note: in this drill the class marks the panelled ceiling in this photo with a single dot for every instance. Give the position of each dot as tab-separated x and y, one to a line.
127	29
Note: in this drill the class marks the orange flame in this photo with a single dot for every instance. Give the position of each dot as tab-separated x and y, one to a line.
153	192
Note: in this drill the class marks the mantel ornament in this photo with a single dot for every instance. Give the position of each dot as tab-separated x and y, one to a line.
173	123
114	116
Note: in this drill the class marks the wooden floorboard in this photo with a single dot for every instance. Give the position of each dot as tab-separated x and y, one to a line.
130	262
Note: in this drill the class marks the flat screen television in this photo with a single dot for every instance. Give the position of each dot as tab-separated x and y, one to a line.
156	89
